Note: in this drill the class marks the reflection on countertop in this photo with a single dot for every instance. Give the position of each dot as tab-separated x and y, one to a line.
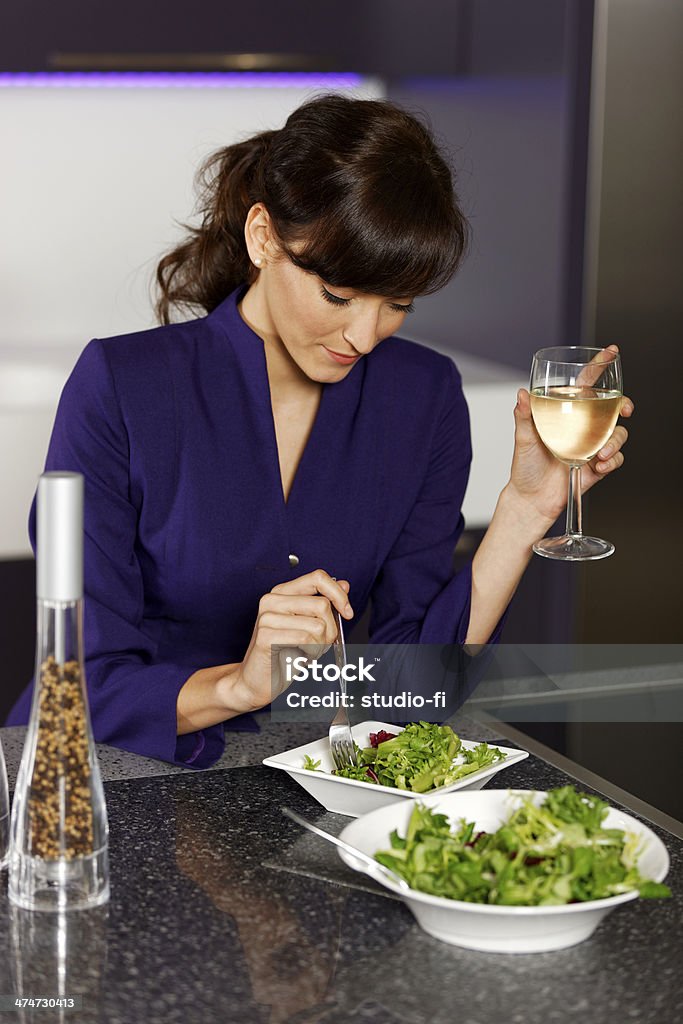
60	957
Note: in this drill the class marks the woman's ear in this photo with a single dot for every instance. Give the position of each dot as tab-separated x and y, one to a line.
258	235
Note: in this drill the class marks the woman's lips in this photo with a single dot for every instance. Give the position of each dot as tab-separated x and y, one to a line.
339	358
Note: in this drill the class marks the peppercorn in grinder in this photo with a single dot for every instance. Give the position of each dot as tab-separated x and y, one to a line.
59	831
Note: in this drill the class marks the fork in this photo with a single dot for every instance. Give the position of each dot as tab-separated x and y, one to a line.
342	746
371	867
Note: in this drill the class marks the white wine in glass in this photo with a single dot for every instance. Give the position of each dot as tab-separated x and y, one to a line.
576	394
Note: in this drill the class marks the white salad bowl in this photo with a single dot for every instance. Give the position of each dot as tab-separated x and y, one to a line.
498	929
353	797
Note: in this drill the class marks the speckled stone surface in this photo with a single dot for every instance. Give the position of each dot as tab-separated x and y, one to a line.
242	749
222	910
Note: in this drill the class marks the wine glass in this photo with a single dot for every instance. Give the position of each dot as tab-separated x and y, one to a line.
576	395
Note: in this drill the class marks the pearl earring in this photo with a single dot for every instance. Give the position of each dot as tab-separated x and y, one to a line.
258	261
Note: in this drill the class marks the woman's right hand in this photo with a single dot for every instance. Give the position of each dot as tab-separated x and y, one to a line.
294	614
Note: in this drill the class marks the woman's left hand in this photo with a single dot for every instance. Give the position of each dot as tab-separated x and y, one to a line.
529	504
539	479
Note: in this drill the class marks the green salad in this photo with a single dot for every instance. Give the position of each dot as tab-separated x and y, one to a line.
423	756
541	856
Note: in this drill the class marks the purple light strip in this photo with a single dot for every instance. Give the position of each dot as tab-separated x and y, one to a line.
177	80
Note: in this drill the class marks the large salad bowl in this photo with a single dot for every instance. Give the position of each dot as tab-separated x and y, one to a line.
496	928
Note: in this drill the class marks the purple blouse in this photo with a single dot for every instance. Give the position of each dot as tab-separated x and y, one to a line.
186	526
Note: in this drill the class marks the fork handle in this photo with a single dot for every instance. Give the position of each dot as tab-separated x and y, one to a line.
373	867
340	648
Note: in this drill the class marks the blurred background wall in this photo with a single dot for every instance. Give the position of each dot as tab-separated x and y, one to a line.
633	272
562	122
635	269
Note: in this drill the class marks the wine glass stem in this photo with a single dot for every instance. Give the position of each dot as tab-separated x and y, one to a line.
574	525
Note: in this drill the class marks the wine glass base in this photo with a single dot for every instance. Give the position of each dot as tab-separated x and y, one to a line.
574	548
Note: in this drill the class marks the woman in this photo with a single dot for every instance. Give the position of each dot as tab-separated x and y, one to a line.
286	453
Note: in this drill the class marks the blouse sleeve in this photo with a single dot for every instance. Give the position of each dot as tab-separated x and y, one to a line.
416	599
132	695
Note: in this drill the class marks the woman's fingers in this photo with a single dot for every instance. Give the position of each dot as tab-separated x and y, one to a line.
610	455
523	408
297	604
296	608
525	431
319	582
604	466
279	629
591	373
614	443
627	407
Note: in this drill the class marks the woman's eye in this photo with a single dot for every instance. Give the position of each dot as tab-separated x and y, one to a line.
336	300
397	308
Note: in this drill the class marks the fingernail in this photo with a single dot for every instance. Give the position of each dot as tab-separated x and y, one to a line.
606	451
348	611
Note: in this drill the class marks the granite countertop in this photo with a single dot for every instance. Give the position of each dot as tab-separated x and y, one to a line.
242	750
223	910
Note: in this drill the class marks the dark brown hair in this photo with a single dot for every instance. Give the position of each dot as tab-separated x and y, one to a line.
360	185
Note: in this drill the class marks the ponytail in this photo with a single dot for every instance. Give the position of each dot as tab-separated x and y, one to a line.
212	261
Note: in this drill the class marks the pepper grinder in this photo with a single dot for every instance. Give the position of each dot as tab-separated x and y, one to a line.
59	832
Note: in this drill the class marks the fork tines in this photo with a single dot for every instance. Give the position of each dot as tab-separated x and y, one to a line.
343	749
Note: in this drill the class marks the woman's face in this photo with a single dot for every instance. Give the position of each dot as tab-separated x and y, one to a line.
325	330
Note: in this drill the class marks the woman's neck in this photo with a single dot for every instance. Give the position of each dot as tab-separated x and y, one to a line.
288	383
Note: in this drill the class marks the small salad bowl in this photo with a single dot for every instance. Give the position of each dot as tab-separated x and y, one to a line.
489	927
354	797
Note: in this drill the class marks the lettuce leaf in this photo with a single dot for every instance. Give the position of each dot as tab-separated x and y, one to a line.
545	855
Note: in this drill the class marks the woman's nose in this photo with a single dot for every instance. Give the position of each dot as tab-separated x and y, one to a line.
361	332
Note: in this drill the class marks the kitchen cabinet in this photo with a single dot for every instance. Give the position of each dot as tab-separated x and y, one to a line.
383	37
